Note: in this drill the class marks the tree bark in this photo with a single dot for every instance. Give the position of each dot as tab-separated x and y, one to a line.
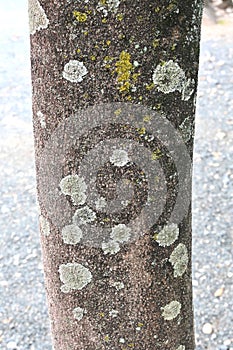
114	87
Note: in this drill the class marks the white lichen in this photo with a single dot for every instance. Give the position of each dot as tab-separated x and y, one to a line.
168	235
171	310
71	234
111	247
44	226
188	89
181	347
120	233
100	203
187	129
113	313
74	71
108	5
74	276
78	313
179	259
41	117
74	186
119	157
37	16
84	215
122	340
118	285
169	77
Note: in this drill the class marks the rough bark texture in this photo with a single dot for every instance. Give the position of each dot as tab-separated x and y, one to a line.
108	73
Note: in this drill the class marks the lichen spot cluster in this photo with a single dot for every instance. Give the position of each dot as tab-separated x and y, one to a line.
80	16
124	69
106	6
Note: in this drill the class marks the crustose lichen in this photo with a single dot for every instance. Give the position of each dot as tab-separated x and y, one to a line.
74	276
171	310
71	234
169	77
37	17
74	186
179	259
168	235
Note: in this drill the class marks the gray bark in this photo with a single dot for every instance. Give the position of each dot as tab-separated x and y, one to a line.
114	86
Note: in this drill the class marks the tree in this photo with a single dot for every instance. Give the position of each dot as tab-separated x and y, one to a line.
114	86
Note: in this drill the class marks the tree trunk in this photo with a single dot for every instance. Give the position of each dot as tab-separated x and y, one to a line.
114	87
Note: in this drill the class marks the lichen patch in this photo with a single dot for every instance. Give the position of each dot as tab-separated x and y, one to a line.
171	310
124	68
168	235
181	347
105	6
179	260
100	203
78	313
74	186
37	17
117	285
44	226
71	234
80	16
119	157
74	276
111	247
41	117
84	215
74	71
188	89
113	313
120	233
169	77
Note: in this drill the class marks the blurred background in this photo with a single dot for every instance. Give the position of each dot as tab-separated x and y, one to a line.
24	323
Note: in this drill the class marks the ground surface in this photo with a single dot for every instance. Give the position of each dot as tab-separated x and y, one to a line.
23	315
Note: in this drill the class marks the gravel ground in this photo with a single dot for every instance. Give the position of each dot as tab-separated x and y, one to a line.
23	315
